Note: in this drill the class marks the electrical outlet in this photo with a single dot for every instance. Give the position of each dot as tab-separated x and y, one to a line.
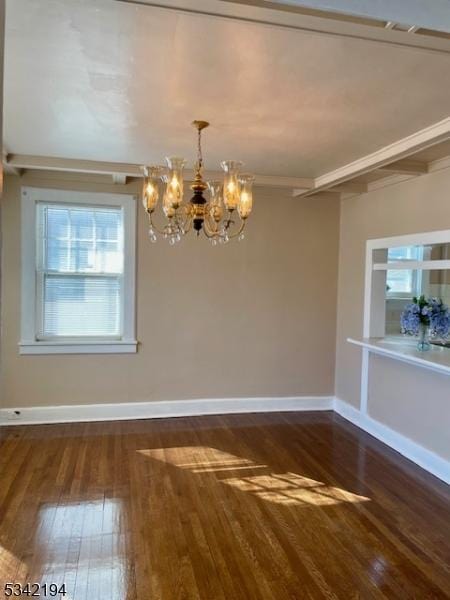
14	415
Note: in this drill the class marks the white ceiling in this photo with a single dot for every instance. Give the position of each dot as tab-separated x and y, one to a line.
111	81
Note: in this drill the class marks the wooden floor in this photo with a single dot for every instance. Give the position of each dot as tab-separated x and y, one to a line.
239	507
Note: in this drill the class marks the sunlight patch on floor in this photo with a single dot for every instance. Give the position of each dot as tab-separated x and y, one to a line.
289	488
281	488
198	458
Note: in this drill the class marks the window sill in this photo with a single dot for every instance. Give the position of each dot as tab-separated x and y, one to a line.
437	359
103	347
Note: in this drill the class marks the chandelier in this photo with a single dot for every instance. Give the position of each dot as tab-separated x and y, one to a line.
221	217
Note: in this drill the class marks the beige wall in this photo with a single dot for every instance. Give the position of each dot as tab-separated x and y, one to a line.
250	319
397	394
411	401
255	318
2	47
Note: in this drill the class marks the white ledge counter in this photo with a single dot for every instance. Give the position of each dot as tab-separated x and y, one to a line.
405	350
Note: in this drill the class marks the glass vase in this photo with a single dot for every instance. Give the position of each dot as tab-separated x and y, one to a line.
424	338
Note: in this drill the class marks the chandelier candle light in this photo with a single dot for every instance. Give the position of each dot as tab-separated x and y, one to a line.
216	217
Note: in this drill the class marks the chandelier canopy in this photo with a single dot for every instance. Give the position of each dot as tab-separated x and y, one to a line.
221	217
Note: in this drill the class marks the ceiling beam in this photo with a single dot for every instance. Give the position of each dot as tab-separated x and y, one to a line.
306	183
405	167
430	136
331	191
290	17
9	169
344	188
299	191
392	159
120	171
432	14
70	165
392	179
350	188
119	178
439	163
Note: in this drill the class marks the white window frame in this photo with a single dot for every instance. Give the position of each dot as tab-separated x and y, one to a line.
375	273
29	342
374	322
417	279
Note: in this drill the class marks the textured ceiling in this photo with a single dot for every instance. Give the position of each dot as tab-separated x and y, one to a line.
103	80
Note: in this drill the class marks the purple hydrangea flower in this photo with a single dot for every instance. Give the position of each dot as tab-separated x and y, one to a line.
410	319
431	312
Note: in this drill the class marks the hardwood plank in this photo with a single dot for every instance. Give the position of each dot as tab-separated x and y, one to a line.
276	506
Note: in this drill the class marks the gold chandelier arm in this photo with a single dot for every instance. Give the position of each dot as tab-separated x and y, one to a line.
239	231
229	220
152	224
227	223
184	222
210	230
210	224
187	225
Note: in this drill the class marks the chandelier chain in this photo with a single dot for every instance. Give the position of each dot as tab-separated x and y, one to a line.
199	149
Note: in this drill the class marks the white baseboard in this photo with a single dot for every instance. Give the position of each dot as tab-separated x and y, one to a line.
150	410
82	413
426	459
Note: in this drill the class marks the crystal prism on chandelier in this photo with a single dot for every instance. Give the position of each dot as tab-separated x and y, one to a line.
221	217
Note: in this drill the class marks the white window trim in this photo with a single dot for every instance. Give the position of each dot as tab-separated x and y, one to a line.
375	304
375	285
418	279
29	344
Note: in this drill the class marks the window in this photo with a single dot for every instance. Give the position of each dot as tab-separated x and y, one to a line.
406	282
77	272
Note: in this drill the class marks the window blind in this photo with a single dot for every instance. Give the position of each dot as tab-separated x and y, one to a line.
79	271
